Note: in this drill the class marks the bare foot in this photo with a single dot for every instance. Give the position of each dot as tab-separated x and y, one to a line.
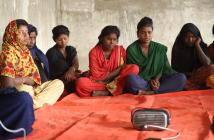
100	93
142	92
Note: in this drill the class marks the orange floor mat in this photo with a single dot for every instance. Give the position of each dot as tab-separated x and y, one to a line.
108	118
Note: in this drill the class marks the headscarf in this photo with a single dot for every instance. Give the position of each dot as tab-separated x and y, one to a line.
37	53
184	58
16	60
10	36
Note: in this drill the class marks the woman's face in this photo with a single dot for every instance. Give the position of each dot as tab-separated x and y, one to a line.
109	41
145	35
62	40
190	39
32	40
23	36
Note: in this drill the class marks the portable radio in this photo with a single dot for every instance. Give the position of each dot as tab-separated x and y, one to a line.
150	119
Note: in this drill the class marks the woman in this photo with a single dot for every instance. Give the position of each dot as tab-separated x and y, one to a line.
190	56
63	59
39	57
17	67
155	75
107	66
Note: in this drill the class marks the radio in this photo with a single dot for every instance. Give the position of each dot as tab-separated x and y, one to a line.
146	119
142	117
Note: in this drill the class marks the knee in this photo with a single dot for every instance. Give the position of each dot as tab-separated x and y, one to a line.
58	83
132	80
131	77
133	68
81	83
181	77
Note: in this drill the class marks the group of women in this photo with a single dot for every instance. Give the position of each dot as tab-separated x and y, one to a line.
36	79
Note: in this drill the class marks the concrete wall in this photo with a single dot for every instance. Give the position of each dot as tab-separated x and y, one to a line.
86	18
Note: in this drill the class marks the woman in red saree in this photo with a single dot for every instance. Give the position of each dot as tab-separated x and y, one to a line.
107	67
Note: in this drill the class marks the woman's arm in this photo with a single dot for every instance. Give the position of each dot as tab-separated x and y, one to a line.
71	73
205	60
12	82
75	63
112	75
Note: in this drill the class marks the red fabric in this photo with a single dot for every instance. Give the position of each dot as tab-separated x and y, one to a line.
99	66
85	86
109	118
128	69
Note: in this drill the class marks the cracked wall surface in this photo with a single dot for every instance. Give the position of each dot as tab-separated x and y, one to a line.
86	18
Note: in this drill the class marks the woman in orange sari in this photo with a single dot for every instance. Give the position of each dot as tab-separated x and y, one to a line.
107	67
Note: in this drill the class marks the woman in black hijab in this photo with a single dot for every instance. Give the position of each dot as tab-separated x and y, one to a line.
190	56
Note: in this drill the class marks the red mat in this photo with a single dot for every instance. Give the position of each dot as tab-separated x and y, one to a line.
108	118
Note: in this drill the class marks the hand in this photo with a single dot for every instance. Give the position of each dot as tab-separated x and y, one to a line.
27	81
78	73
86	73
155	84
197	42
70	74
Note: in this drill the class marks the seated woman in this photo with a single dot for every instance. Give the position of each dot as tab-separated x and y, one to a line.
39	57
63	59
156	75
16	112
17	67
107	66
190	56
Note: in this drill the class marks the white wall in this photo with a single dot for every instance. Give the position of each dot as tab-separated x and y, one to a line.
86	18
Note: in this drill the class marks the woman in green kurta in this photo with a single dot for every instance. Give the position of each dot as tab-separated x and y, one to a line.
156	74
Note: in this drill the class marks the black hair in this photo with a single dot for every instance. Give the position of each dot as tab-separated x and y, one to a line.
145	22
59	30
107	30
20	22
31	29
189	27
